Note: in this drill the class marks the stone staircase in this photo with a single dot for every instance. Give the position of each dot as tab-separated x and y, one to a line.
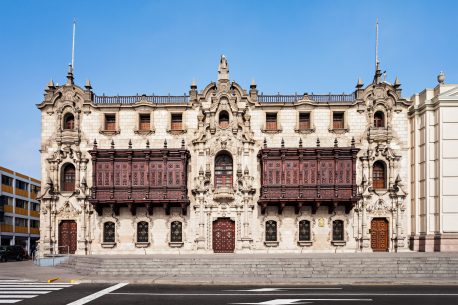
294	266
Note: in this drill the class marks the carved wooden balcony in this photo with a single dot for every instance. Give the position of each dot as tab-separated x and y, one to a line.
321	176
139	178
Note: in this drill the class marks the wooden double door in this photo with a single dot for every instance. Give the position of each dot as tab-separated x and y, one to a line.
379	234
223	235
67	236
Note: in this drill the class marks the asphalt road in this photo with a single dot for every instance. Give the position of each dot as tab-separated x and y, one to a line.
122	293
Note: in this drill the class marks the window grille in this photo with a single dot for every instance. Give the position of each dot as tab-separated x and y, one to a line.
379	175
176	230
142	232
304	230
223	171
109	232
271	230
110	122
337	230
177	121
145	122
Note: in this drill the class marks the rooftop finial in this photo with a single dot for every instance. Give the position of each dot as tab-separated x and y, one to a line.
88	85
359	84
378	73
441	78
397	82
70	75
223	69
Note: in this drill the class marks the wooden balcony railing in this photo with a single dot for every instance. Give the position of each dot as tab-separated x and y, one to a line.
6	228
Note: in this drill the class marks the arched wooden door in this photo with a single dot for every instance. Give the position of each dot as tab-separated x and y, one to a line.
223	235
67	236
379	234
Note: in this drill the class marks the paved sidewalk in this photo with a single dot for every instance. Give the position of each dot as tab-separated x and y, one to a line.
26	270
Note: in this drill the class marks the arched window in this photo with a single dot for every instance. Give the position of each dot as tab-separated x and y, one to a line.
337	230
223	119
69	121
142	232
68	178
271	230
223	171
109	232
176	232
379	175
304	230
379	119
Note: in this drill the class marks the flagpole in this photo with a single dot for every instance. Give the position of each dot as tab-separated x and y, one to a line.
376	42
73	45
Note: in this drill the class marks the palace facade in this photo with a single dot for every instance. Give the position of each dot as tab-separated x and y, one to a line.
225	169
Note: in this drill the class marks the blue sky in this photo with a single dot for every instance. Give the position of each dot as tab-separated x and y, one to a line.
129	47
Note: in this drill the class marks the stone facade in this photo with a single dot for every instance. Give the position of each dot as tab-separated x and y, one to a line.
373	120
434	168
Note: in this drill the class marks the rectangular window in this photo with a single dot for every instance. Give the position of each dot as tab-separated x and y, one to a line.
20	222
271	121
34	189
5	200
34	223
145	123
21	203
177	121
22	185
35	206
8	220
110	122
304	120
7	180
338	120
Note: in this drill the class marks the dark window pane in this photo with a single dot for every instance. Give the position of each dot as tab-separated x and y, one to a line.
177	121
176	232
145	122
109	232
304	230
223	119
379	119
68	181
69	121
337	230
142	232
271	230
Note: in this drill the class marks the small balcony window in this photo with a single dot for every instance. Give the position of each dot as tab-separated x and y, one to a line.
338	120
110	122
271	121
176	121
223	119
144	122
379	119
304	120
69	121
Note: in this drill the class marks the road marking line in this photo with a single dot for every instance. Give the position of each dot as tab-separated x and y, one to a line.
294	301
34	288
33	283
14	296
97	295
52	279
288	288
25	292
286	294
9	301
